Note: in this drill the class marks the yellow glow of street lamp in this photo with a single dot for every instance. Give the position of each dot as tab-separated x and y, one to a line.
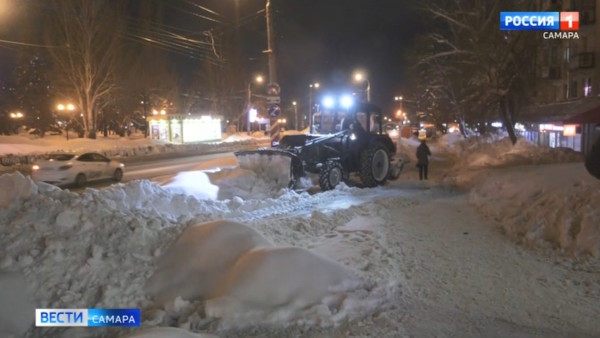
154	112
259	79
62	107
398	98
294	103
163	112
16	115
358	77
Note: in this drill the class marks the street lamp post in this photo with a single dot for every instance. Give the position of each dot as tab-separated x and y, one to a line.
16	116
258	79
360	77
310	103
69	107
399	113
295	115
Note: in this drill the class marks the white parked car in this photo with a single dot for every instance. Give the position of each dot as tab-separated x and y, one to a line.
66	169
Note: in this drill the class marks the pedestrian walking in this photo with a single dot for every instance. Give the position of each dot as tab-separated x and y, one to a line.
423	154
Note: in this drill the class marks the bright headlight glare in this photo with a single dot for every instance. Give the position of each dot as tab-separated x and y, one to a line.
328	102
346	101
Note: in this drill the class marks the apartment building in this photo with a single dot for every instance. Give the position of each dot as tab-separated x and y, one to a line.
567	104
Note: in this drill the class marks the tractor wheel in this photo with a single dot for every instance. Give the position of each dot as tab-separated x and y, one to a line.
331	175
374	165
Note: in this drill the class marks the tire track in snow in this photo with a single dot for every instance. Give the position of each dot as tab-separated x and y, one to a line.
325	202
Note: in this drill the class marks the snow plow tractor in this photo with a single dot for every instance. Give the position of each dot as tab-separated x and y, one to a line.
342	142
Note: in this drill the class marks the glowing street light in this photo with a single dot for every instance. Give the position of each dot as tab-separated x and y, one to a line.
295	115
16	116
359	77
66	107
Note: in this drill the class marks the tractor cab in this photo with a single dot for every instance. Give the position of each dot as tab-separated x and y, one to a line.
360	118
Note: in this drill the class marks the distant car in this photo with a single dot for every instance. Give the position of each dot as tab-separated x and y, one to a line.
77	169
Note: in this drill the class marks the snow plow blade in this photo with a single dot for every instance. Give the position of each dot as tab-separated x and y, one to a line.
281	165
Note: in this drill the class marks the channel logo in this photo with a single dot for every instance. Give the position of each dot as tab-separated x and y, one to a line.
87	317
539	21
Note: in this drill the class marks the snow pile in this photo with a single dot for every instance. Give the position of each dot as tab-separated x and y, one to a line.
98	249
14	298
201	189
246	281
94	249
272	285
561	212
496	150
16	187
551	210
258	175
209	251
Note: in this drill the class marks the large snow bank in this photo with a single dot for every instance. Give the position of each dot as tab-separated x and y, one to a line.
497	150
553	209
244	280
197	262
94	249
561	212
97	249
279	284
15	305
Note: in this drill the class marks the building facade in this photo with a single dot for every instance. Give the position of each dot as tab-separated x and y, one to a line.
568	91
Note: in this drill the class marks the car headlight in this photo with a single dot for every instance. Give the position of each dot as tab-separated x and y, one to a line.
35	167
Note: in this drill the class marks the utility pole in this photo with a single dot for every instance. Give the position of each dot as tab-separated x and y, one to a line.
270	44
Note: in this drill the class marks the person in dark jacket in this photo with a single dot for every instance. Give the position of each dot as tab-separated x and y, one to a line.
423	154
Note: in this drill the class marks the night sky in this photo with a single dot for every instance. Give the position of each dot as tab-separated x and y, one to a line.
323	41
328	40
315	40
